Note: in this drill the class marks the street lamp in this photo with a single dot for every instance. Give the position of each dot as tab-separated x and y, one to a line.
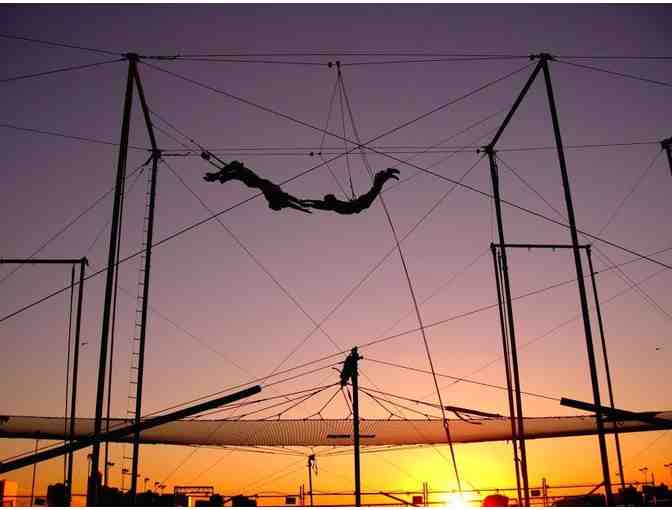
644	470
669	465
124	472
108	465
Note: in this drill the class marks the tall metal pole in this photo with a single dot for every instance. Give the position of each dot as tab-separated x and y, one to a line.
143	326
156	154
94	482
67	378
579	274
311	460
507	367
112	342
32	486
75	365
355	423
520	429
606	365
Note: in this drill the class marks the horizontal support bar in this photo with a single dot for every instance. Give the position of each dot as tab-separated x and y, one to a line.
616	414
547	246
45	261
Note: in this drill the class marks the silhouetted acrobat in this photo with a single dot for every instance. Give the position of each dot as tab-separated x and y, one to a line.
357	205
276	198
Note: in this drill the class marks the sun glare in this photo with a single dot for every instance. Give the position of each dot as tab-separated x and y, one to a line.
457	502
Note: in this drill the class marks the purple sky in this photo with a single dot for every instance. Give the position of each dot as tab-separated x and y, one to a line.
228	310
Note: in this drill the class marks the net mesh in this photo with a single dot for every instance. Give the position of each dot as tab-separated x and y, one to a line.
319	432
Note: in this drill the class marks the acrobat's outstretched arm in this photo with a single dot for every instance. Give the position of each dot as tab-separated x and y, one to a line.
233	170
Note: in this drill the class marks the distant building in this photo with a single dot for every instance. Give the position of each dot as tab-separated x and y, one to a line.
243	501
8	492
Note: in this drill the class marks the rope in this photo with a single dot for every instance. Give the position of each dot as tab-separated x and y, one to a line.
413	54
239	61
300	398
425	415
457	379
341	92
403	149
455	410
615	73
324	135
639	180
319	412
60	44
71	137
61	70
411	290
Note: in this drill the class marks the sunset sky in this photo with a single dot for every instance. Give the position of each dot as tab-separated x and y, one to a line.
225	312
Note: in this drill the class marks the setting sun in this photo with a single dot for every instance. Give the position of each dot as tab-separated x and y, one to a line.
458	502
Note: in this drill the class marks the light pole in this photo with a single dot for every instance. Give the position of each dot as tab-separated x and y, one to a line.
108	465
669	465
32	489
124	472
644	470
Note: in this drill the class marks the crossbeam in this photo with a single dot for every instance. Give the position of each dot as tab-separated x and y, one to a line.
616	414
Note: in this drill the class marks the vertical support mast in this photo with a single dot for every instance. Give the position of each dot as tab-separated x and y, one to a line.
94	482
156	154
355	419
507	365
311	462
349	372
75	366
606	365
544	58
520	429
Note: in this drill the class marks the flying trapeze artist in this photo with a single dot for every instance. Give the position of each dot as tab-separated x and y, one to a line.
356	205
278	199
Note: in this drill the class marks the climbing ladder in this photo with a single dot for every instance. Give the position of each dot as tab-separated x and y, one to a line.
134	362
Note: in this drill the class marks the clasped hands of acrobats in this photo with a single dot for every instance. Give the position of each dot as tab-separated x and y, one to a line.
278	199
